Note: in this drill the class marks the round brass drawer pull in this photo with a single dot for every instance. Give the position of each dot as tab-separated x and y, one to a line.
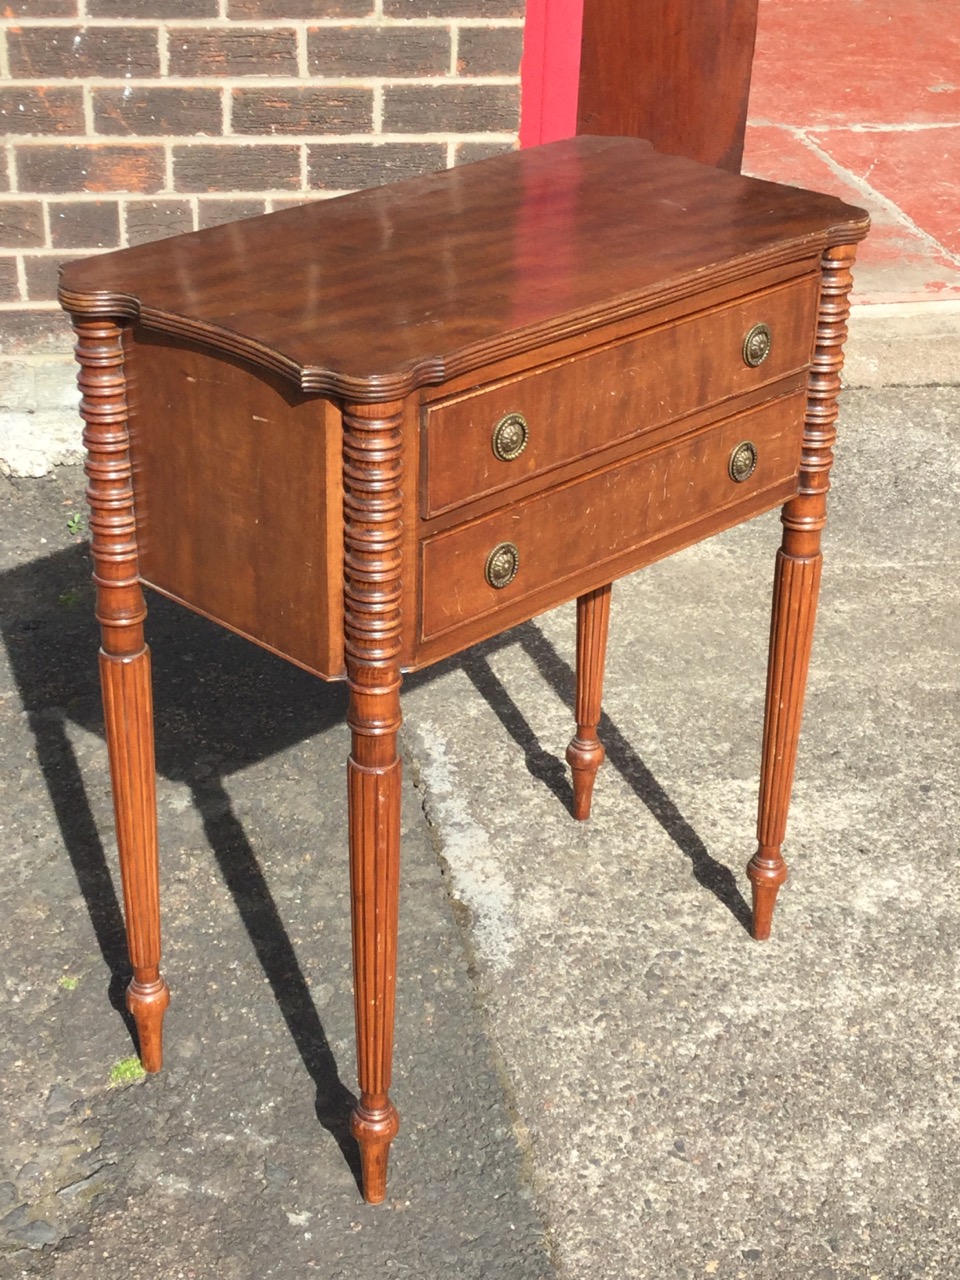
502	565
743	461
756	345
510	437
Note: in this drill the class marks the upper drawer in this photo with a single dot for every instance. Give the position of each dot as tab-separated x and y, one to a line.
583	404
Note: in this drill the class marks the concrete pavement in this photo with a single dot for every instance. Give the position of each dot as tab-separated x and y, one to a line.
600	1075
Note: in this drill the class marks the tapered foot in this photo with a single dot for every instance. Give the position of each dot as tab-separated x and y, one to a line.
584	759
767	872
374	1130
148	1003
585	753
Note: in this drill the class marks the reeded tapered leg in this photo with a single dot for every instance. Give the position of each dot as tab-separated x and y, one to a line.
372	593
796	588
124	668
585	753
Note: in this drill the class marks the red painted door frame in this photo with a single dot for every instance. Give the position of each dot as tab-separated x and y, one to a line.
550	71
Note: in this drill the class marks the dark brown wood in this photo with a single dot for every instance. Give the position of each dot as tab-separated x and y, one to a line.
796	589
372	510
124	668
278	528
633	374
674	71
585	753
373	295
575	537
597	288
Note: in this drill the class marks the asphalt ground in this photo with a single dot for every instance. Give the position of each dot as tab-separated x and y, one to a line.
599	1074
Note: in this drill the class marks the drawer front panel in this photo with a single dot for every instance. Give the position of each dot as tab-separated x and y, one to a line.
537	544
584	404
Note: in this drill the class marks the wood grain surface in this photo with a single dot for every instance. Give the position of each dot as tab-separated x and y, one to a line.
372	295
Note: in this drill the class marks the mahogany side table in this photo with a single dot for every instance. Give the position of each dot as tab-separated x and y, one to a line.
371	431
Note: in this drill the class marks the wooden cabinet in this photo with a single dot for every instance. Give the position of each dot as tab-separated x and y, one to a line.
369	432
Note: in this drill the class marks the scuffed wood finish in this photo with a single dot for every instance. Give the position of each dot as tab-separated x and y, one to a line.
278	527
370	296
585	753
674	71
664	375
124	668
578	536
372	506
796	589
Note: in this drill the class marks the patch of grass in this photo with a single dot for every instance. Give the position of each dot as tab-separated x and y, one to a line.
69	598
68	982
77	522
126	1071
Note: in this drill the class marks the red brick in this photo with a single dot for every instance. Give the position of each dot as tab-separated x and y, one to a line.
90	167
283	110
349	166
157	112
40	9
468	152
9	287
236	168
369	51
214	213
240	52
154	219
41	111
84	224
34	332
152	8
454	108
43	276
40	53
453	8
21	224
258	9
489	51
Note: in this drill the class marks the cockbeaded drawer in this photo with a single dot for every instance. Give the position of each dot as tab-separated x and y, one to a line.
612	520
491	438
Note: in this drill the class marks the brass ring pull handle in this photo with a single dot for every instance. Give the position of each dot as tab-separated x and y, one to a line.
502	565
743	461
756	345
510	437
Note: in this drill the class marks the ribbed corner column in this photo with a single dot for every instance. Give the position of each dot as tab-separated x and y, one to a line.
124	667
372	469
797	587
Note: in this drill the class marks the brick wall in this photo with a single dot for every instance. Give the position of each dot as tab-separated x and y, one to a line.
127	120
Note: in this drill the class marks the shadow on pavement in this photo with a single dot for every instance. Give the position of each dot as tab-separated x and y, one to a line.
221	705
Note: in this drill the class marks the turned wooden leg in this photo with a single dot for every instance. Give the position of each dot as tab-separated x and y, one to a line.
372	596
796	588
124	668
585	753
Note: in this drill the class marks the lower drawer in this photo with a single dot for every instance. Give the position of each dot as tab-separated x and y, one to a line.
490	565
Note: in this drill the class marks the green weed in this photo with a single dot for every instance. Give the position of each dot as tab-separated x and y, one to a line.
126	1071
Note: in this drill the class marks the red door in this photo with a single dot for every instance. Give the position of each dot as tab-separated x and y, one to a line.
549	74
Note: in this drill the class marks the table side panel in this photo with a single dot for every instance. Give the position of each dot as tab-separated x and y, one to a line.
610	522
580	405
238	497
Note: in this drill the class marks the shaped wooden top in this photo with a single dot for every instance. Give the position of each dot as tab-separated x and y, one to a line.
371	295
